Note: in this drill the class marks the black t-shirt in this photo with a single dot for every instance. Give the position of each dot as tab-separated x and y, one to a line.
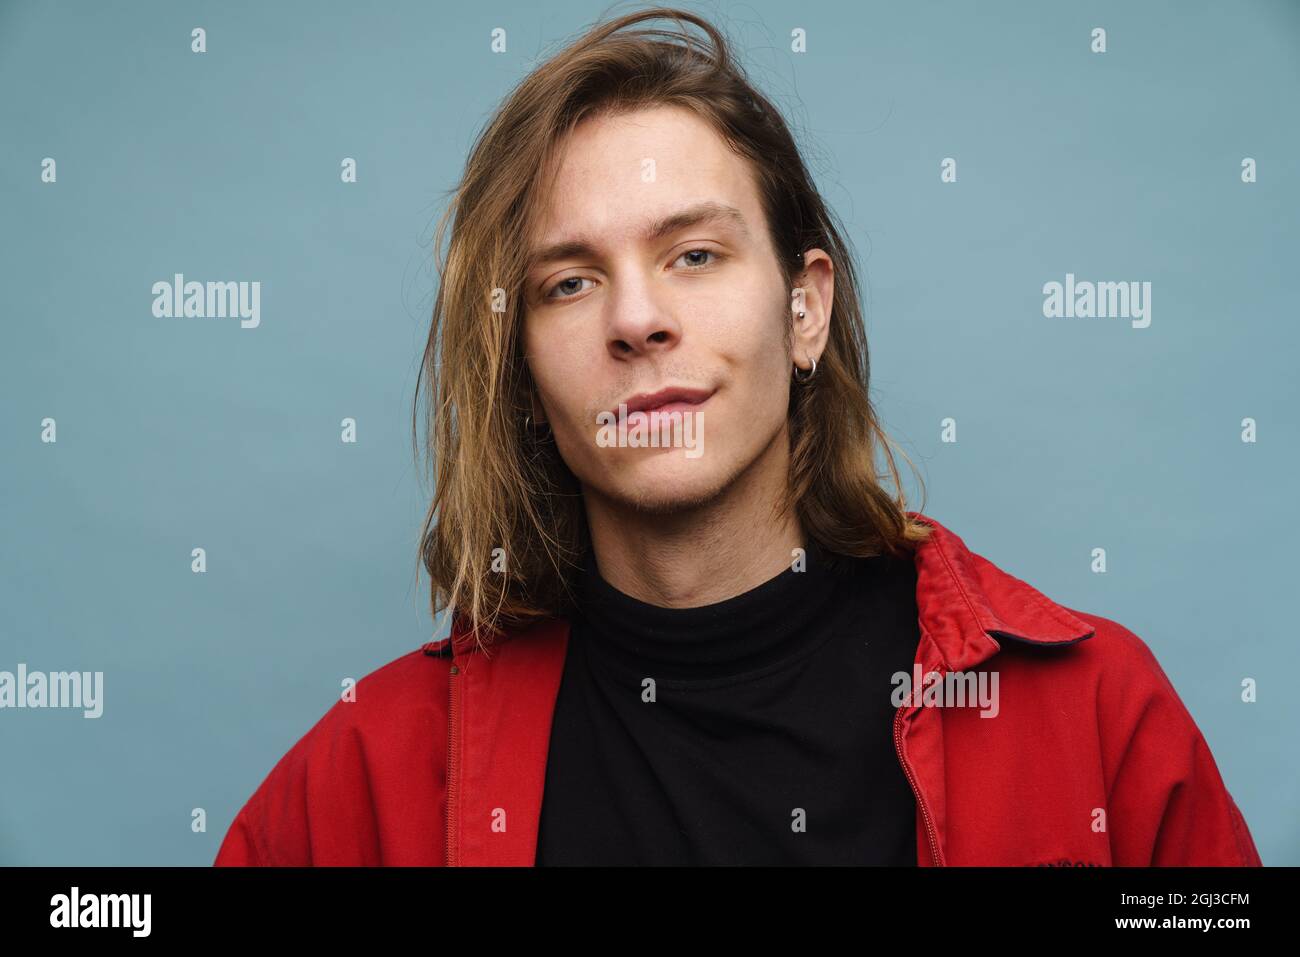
756	730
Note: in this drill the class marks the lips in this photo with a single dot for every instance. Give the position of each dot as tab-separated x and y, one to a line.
665	400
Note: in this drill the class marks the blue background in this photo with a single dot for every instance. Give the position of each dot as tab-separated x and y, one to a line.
176	433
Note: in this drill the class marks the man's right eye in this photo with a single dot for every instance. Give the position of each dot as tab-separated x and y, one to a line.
565	285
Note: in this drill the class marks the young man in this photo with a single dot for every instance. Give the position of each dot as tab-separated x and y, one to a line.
710	636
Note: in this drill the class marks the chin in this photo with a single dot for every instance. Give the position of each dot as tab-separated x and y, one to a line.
665	481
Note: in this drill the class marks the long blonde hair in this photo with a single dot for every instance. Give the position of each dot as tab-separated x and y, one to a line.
496	487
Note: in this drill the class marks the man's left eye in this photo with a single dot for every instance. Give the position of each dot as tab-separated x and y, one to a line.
698	252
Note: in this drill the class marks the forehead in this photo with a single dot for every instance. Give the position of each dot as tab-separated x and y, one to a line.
613	174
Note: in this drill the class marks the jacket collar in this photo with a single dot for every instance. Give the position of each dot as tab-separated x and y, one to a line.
966	604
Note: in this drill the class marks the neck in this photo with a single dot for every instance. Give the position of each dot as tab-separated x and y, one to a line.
706	553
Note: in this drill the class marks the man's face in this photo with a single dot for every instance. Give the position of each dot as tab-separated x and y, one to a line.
700	305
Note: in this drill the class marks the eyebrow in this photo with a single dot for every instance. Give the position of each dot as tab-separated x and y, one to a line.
699	214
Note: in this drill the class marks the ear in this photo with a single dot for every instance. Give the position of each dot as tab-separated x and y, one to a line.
813	295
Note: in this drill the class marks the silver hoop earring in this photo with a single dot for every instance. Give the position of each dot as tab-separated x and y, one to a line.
540	434
812	372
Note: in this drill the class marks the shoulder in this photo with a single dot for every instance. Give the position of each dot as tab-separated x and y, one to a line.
1122	663
1117	677
410	685
409	690
1160	772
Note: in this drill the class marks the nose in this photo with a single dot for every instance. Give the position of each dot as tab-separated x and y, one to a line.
640	323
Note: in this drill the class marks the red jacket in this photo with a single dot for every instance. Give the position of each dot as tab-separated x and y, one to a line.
1091	760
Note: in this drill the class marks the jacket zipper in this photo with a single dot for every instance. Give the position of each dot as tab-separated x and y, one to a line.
911	779
453	765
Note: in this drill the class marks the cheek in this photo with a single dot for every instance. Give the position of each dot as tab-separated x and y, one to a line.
543	363
756	350
551	362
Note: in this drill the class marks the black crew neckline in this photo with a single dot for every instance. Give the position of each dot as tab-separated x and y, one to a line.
739	637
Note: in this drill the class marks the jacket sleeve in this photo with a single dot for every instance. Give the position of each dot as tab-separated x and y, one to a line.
1201	824
1168	805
